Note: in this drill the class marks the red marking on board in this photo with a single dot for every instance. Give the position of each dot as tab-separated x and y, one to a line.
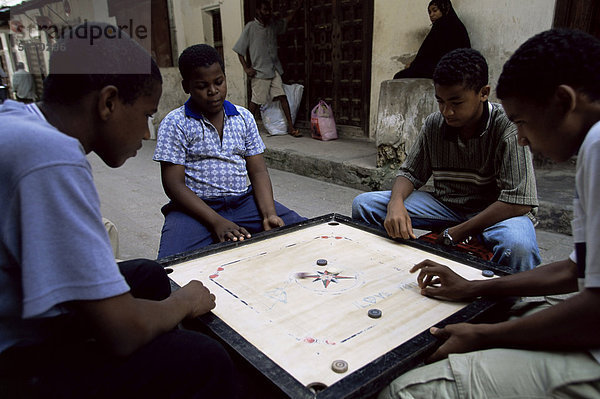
309	340
338	238
220	269
329	343
213	276
324	236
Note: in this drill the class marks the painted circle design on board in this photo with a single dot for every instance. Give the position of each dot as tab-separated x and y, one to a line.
332	280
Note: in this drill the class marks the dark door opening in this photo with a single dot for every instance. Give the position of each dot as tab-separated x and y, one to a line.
327	49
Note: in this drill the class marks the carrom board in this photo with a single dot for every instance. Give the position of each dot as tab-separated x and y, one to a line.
303	317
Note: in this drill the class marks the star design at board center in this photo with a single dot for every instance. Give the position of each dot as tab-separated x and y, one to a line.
326	278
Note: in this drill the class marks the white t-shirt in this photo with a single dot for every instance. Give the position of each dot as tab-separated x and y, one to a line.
586	214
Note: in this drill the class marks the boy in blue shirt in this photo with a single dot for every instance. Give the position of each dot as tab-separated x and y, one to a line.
207	149
73	322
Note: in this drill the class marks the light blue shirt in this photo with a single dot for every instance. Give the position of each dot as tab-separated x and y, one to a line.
24	85
213	167
53	245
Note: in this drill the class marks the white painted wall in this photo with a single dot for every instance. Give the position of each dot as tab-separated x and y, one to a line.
189	25
496	28
232	20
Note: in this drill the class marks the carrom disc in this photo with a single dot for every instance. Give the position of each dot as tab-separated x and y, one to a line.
487	273
339	366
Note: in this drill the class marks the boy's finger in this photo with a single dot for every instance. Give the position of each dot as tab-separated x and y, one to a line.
439	333
244	232
418	266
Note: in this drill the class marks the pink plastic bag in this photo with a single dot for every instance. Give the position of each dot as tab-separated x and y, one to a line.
322	122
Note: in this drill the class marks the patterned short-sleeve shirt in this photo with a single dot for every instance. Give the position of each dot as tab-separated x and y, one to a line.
213	167
469	176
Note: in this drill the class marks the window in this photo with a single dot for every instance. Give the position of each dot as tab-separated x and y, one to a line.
217	32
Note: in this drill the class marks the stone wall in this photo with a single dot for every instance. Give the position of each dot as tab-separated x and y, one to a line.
403	106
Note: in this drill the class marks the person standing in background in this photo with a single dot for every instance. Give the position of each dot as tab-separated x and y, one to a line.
23	84
259	38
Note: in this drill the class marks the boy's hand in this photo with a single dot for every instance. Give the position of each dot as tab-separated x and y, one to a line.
251	72
397	223
271	222
436	280
457	233
198	298
458	338
226	230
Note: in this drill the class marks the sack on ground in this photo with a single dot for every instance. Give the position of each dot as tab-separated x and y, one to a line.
322	122
272	114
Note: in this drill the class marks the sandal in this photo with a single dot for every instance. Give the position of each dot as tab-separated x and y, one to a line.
295	133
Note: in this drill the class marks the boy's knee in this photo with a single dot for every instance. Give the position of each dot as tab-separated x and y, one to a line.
432	381
519	255
358	205
146	278
183	363
204	363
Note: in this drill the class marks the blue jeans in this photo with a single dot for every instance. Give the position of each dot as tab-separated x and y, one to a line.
182	232
512	241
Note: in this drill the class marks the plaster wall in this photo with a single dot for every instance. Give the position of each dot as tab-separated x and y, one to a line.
189	24
403	106
172	97
496	28
232	21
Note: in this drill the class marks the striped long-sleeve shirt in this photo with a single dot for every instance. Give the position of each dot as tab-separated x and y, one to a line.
470	175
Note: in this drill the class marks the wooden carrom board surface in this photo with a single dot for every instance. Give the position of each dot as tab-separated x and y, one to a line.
303	316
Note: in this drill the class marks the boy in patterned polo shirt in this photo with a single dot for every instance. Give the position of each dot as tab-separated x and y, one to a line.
207	148
484	184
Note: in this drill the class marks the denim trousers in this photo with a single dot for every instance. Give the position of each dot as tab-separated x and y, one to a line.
512	241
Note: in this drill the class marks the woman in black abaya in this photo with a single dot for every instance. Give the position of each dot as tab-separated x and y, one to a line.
447	33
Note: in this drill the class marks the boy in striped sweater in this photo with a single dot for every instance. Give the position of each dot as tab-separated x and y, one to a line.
484	184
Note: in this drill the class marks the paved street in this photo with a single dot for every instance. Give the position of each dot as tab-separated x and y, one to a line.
132	196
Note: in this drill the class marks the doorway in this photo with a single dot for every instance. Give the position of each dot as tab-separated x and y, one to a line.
327	49
578	14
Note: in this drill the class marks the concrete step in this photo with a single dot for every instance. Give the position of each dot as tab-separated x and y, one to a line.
352	163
